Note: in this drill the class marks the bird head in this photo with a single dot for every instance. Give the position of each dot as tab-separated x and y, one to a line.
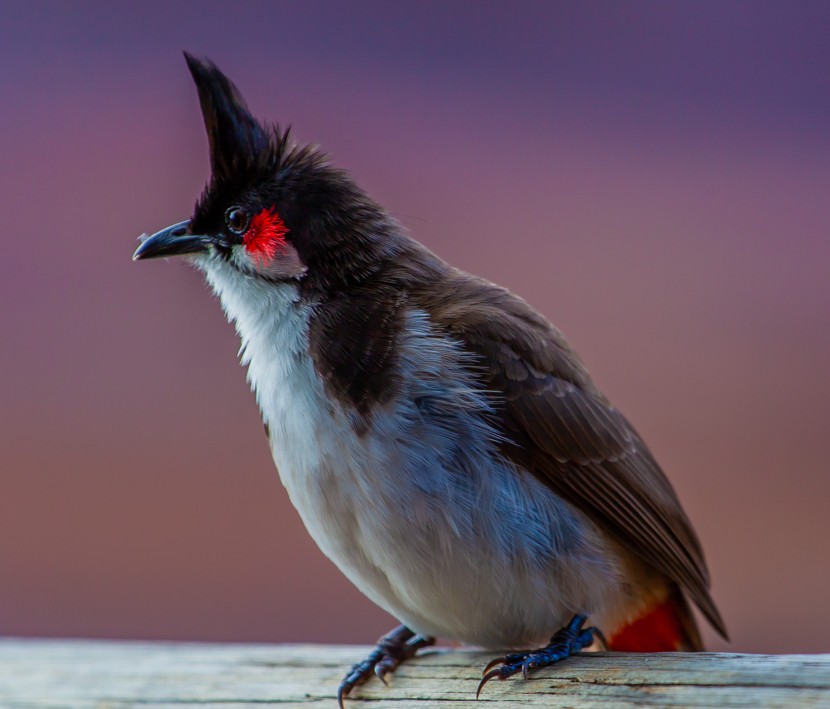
273	209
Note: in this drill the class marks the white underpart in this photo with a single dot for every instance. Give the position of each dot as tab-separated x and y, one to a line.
420	512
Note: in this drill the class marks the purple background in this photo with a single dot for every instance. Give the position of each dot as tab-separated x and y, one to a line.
655	177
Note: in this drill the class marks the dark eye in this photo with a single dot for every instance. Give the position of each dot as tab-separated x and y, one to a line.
237	220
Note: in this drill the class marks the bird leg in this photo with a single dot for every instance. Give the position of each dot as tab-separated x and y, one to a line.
391	650
565	642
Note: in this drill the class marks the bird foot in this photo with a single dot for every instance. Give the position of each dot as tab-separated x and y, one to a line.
565	642
391	650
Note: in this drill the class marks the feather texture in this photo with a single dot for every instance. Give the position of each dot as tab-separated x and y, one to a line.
568	435
443	443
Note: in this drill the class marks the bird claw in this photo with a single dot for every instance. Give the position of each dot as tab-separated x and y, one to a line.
383	668
390	651
498	661
565	642
356	676
487	677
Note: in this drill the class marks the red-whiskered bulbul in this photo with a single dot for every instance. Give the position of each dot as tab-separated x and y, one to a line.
442	442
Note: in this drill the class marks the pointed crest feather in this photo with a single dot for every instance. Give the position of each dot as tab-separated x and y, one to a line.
236	139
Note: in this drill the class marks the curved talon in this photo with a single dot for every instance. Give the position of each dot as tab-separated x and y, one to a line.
342	693
381	670
484	680
498	661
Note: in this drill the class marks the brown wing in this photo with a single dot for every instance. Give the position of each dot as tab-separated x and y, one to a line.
567	434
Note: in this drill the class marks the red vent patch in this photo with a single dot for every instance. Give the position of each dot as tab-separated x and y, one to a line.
657	630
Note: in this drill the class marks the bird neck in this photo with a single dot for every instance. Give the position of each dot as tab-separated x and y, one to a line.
270	318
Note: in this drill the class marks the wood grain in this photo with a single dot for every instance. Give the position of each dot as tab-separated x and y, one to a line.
77	674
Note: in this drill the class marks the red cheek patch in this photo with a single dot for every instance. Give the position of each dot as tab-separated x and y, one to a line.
265	237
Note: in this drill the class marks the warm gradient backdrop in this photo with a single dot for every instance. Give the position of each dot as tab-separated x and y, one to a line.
653	176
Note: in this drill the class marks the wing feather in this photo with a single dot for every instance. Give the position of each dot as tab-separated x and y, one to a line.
565	431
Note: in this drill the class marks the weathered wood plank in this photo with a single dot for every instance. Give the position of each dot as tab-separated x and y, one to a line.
65	674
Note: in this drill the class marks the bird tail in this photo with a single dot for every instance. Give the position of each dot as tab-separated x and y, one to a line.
664	626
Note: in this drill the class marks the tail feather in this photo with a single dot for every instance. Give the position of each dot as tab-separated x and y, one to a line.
666	626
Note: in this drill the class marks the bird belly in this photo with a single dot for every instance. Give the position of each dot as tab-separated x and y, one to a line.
503	565
424	516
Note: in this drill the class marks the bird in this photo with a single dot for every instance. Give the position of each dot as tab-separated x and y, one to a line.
442	442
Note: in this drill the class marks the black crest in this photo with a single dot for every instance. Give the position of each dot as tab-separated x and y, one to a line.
237	140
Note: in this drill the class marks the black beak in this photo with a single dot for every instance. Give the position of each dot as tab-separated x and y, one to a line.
175	240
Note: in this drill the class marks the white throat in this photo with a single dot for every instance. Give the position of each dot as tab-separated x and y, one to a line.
272	323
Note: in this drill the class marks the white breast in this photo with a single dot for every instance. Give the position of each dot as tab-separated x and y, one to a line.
420	512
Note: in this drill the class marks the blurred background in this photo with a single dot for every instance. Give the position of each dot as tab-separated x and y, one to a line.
655	177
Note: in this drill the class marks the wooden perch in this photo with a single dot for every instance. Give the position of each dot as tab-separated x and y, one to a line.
77	674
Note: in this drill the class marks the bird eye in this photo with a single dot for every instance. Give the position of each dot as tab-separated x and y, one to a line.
237	220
